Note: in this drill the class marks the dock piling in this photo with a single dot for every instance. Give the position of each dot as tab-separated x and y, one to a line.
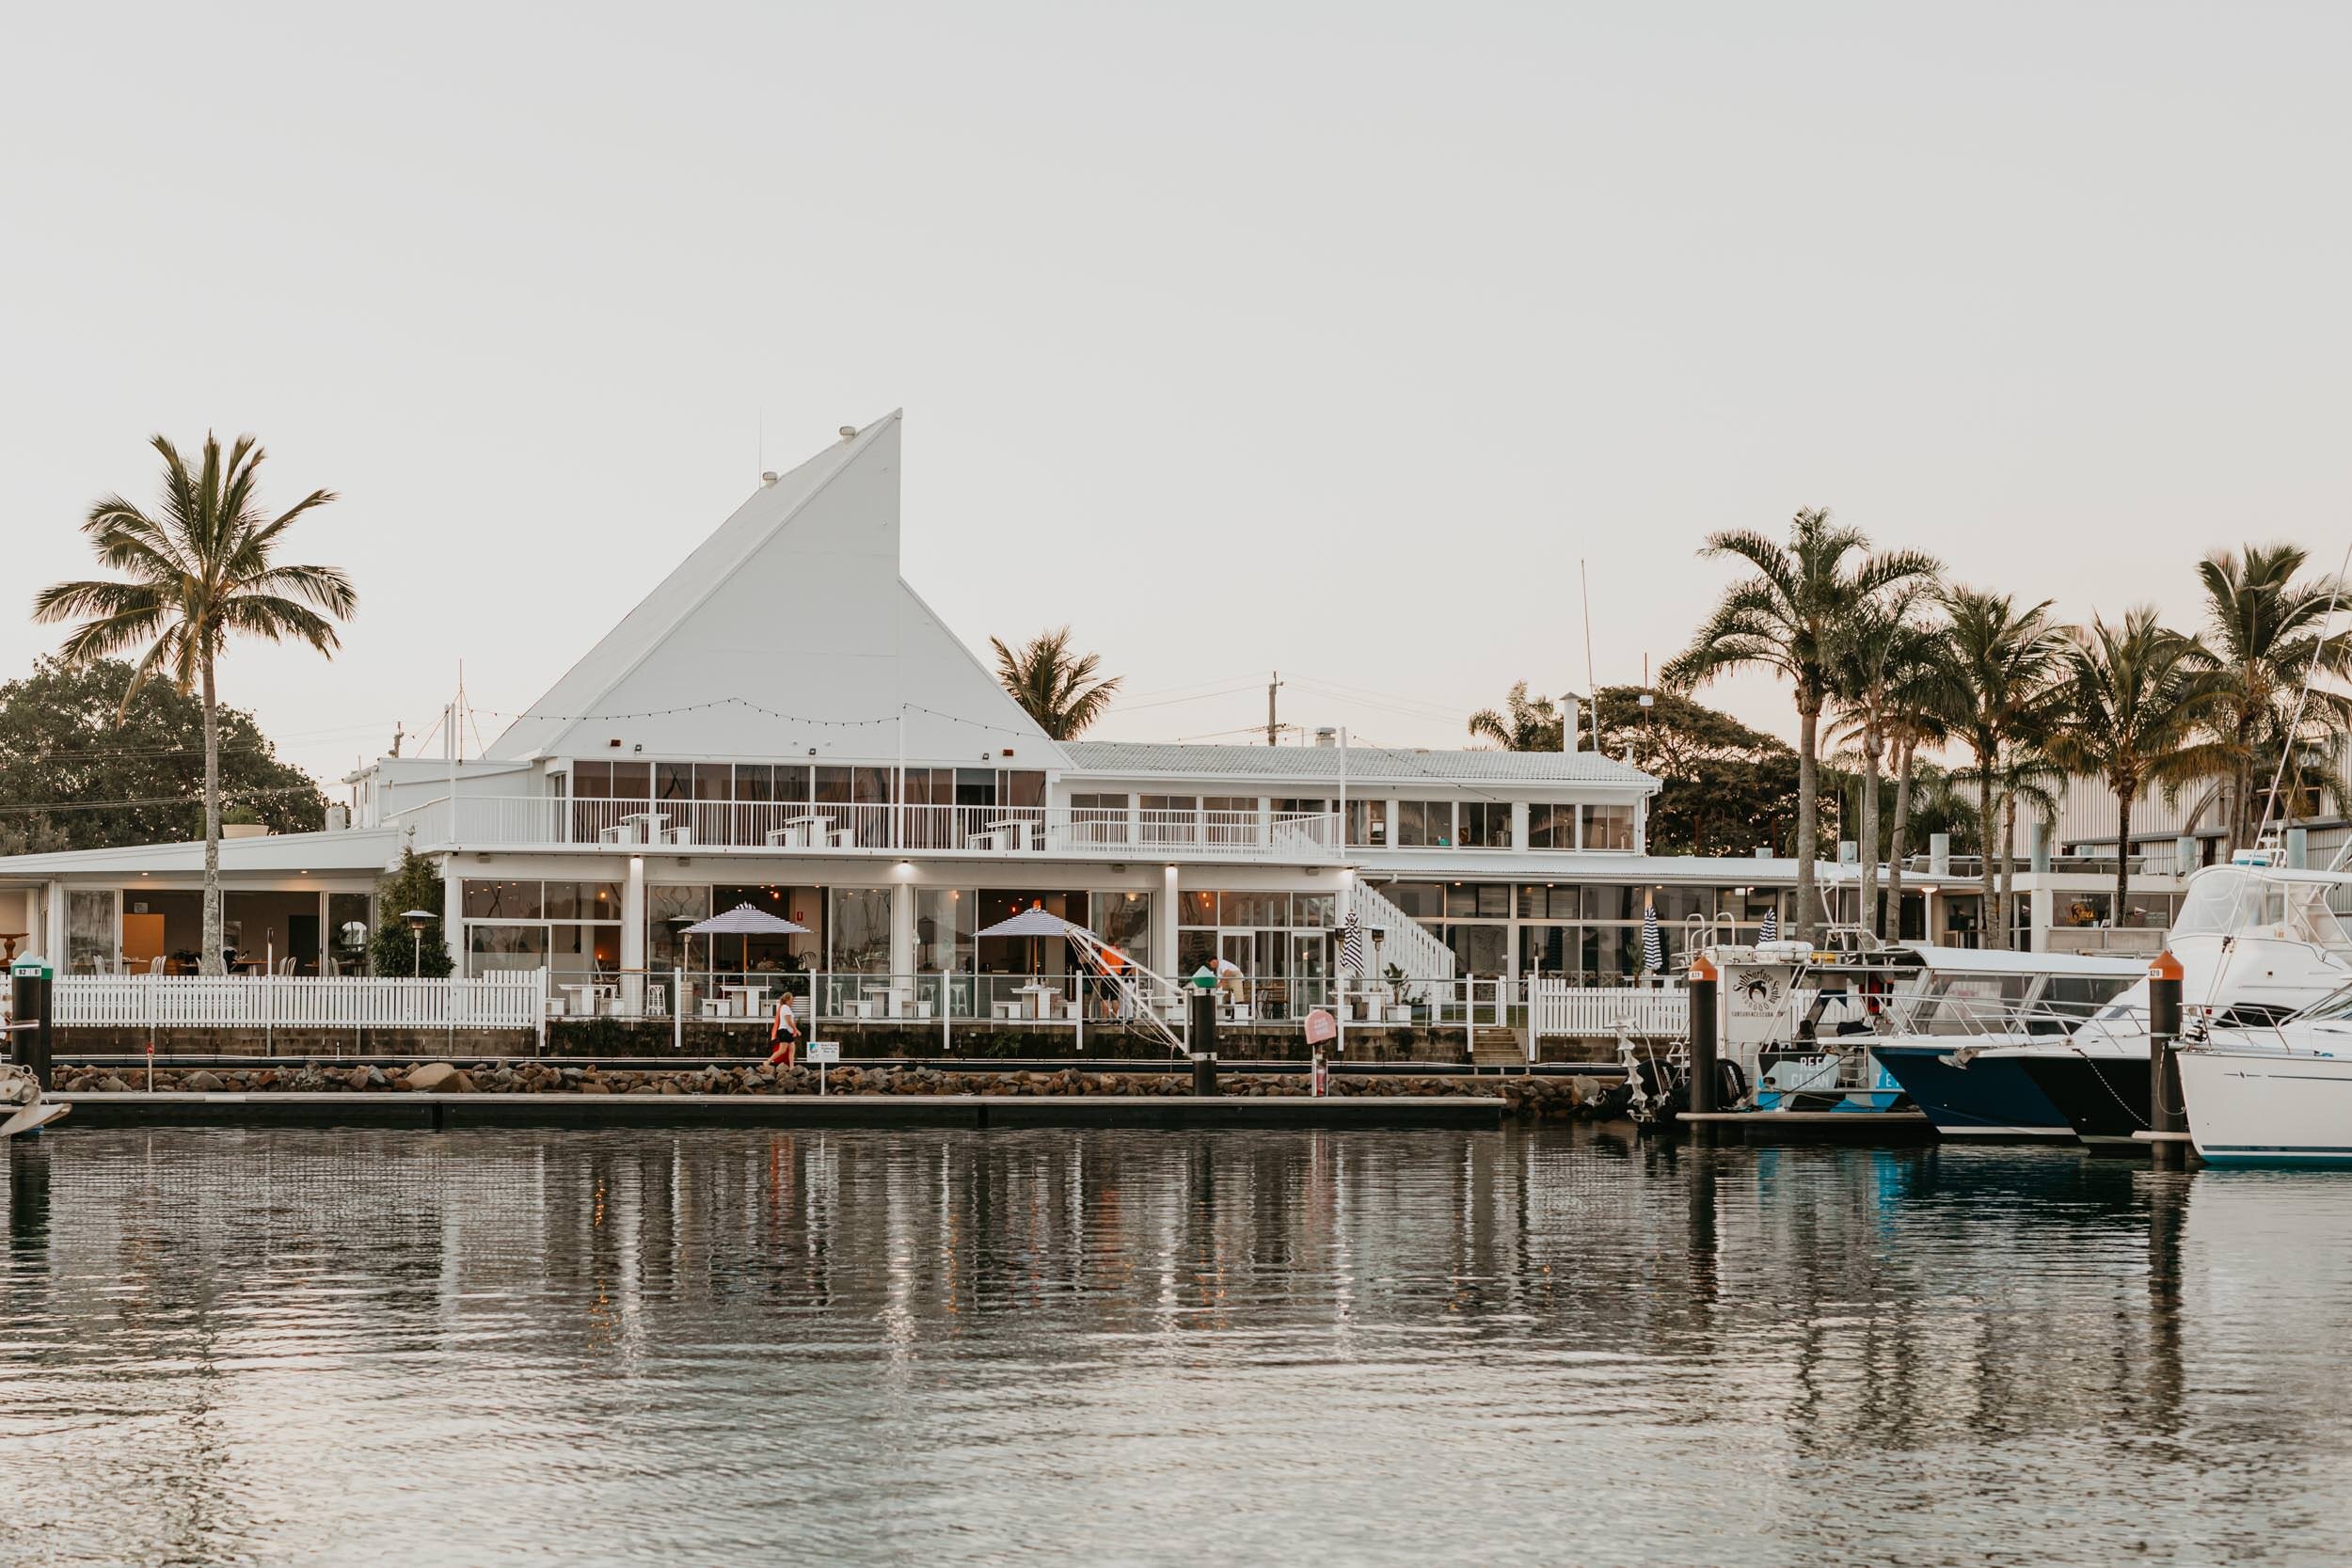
2165	1115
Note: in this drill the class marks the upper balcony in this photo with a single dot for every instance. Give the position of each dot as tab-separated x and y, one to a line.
798	829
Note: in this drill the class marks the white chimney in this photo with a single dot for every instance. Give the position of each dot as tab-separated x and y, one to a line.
1571	721
1326	735
338	818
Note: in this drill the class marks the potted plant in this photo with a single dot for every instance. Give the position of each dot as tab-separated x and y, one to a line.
1398	1008
242	822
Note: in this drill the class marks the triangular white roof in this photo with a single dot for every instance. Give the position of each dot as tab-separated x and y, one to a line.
789	628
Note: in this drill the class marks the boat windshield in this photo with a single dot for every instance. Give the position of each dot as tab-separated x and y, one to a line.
2335	1005
2010	1003
2224	900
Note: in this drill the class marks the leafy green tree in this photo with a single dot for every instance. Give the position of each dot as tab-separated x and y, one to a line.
397	950
2139	694
2266	634
91	758
198	573
1724	788
1056	688
1791	617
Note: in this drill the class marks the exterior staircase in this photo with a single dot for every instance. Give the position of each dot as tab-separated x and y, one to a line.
1495	1045
1405	941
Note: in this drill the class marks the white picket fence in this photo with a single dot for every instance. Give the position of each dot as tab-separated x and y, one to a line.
514	999
1594	1012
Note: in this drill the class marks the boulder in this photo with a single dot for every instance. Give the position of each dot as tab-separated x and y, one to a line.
199	1082
108	1084
439	1078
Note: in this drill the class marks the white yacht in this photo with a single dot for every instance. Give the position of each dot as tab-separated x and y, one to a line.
2256	942
2279	1095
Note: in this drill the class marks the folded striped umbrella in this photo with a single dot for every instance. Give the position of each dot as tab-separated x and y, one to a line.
1352	945
1769	930
1653	950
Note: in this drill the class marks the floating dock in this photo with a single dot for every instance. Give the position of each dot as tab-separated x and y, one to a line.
1884	1126
451	1112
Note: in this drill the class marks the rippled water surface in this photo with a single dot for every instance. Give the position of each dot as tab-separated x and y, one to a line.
942	1347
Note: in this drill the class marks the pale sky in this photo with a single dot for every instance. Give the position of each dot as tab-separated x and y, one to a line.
1326	339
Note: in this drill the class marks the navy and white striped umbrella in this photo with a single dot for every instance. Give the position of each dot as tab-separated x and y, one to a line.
1352	945
1769	930
1653	950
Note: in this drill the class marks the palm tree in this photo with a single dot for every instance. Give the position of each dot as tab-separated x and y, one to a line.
1532	723
196	574
1912	722
2026	772
1884	644
2266	636
2139	694
1792	617
1056	689
1994	695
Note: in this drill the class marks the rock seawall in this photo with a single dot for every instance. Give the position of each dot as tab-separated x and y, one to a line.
1530	1099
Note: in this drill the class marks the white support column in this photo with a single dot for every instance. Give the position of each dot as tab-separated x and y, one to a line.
1519	824
52	926
454	914
1166	912
633	935
902	938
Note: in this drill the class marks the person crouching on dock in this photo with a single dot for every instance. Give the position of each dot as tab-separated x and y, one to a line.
784	1033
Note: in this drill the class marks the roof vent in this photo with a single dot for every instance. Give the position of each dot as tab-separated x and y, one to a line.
849	431
1326	735
768	476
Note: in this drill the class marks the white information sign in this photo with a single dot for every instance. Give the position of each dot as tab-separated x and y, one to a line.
821	1052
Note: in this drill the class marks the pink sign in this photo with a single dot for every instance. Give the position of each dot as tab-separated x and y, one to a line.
1321	1026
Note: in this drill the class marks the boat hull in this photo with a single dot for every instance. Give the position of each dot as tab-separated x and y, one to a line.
2104	1099
2268	1108
1984	1097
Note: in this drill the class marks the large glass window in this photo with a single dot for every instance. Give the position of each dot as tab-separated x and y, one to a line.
1607	827
1485	824
499	947
944	919
1232	819
591	781
669	909
349	917
1548	901
501	900
1253	909
672	781
89	930
1551	827
1317	910
1123	919
1428	824
632	780
861	930
1368	824
1170	819
1478	901
1478	949
1423	901
776	951
581	900
714	780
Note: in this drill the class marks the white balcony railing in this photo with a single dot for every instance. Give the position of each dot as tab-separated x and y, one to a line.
772	827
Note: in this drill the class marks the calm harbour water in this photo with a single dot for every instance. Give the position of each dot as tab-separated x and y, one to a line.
943	1348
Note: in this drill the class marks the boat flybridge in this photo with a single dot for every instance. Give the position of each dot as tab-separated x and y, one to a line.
1802	1030
2256	942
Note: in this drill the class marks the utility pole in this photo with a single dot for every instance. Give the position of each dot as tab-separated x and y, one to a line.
1273	729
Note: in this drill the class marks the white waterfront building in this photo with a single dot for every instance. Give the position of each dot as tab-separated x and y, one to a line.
784	722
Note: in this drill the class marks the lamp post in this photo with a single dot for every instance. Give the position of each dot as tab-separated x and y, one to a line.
418	920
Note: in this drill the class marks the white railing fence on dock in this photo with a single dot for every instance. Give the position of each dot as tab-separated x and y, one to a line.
509	1001
1596	1012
